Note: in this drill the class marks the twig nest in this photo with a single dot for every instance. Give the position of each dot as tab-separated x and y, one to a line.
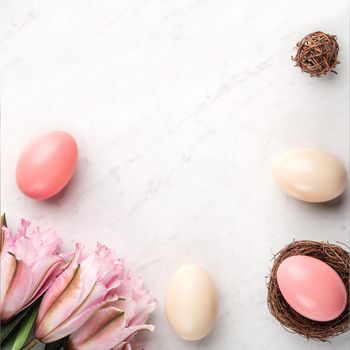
317	54
333	255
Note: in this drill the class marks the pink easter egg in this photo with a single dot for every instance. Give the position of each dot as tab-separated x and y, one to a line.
312	288
47	164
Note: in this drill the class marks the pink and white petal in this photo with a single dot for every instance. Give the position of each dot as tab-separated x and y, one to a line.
24	250
48	242
113	334
46	282
108	264
121	304
113	295
19	290
60	308
111	340
8	270
123	346
56	289
69	326
96	296
115	281
141	313
59	285
6	241
22	228
98	341
89	271
43	269
100	318
77	256
129	332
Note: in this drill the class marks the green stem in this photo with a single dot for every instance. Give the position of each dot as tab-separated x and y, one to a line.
31	344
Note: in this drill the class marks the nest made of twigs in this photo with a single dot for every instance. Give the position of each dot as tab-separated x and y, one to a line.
317	54
336	257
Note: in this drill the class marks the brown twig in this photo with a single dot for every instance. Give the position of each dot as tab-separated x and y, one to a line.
317	54
336	257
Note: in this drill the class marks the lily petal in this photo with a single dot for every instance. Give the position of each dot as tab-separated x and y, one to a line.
123	346
68	327
113	334
100	319
96	296
46	281
8	270
59	309
59	285
6	240
19	291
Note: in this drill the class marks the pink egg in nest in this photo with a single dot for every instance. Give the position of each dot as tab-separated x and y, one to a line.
308	289
312	288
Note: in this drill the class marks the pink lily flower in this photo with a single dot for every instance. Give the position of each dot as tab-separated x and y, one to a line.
85	286
29	265
115	323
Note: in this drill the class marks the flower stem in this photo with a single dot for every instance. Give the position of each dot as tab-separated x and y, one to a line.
31	344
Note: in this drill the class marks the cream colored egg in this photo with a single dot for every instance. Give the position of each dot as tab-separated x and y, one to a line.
311	175
191	302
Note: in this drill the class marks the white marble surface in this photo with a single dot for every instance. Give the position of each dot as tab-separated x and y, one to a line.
178	108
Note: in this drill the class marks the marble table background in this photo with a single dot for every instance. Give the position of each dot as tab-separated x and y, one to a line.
179	108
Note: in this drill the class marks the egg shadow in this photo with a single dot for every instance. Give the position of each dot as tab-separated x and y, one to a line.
336	202
333	204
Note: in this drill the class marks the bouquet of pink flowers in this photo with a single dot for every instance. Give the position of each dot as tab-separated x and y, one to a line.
82	303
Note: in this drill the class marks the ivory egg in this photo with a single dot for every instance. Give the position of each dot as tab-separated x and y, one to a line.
191	302
310	175
312	288
47	164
